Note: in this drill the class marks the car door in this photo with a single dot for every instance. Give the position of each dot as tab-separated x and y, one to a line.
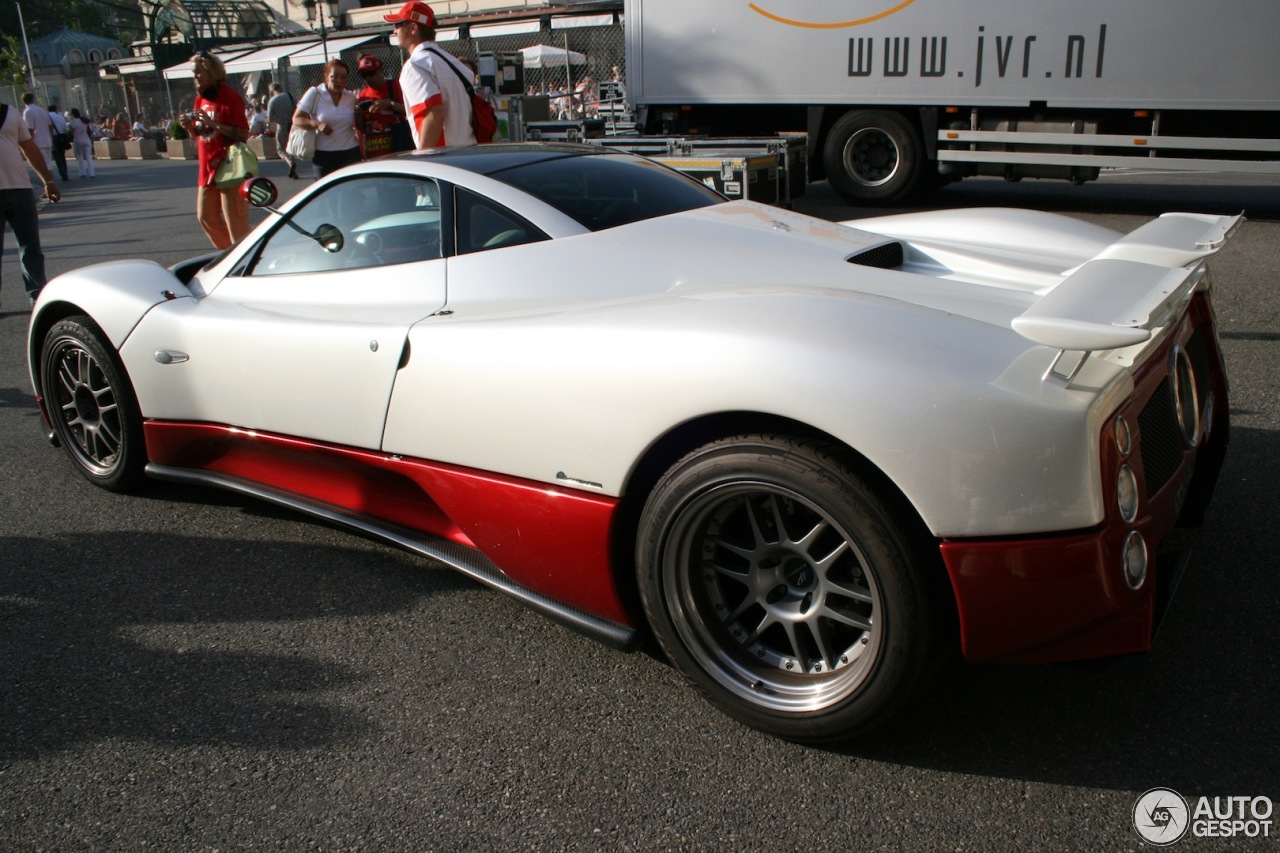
305	336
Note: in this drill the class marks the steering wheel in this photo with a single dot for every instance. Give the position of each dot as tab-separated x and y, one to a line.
370	243
503	238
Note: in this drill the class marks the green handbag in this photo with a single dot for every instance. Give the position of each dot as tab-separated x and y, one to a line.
239	164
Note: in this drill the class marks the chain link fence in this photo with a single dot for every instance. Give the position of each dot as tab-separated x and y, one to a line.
94	96
574	89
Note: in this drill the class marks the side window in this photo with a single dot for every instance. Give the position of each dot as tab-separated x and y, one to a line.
382	219
480	224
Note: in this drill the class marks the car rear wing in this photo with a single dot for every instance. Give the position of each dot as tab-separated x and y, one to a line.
1133	286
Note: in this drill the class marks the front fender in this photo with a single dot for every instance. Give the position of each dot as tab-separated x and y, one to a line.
115	295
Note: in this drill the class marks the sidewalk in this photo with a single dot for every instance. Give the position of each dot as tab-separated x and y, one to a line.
131	209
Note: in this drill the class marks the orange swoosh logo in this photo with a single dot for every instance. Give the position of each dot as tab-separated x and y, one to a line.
820	25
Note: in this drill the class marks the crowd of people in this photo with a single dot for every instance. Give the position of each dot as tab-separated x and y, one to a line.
431	102
428	104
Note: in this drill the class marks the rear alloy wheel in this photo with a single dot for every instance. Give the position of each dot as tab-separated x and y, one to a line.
873	156
92	406
783	588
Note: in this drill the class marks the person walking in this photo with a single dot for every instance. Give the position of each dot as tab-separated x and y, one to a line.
61	136
38	122
435	98
18	199
82	143
280	116
330	110
217	121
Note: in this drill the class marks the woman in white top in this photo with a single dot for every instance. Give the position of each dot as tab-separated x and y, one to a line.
330	110
82	141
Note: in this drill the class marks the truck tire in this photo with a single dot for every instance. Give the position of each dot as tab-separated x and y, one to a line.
873	156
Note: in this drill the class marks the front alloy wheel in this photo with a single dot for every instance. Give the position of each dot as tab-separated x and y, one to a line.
91	404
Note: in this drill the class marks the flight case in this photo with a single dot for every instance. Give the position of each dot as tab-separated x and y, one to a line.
733	165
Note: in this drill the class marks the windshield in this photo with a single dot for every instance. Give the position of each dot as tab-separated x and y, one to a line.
609	189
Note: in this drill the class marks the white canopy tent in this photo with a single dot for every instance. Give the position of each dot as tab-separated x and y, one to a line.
333	48
182	70
555	61
550	56
265	58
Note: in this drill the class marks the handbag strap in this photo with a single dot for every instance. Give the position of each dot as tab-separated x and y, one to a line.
470	90
314	91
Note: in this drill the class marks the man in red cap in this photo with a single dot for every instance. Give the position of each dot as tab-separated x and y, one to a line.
383	108
435	96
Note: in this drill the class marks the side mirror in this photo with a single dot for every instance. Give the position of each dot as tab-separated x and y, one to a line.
329	238
259	192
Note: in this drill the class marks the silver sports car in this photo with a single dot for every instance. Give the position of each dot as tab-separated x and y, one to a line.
807	458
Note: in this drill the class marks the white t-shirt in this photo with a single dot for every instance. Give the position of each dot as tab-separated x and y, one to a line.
13	165
426	80
37	119
318	103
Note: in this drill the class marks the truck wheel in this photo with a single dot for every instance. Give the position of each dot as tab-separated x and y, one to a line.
783	587
873	156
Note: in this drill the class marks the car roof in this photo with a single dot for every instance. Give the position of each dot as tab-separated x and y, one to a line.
490	159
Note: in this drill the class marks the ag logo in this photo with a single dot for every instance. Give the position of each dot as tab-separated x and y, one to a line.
877	12
1161	816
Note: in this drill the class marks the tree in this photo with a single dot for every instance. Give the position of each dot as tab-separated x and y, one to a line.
117	19
13	63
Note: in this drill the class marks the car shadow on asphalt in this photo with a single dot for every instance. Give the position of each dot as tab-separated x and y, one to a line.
179	639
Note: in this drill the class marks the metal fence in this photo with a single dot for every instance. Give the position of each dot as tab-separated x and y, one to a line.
158	99
93	96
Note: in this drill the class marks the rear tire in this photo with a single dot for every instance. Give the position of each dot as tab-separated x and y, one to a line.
873	156
785	589
92	405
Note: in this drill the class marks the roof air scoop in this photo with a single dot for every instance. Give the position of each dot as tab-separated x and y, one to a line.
885	256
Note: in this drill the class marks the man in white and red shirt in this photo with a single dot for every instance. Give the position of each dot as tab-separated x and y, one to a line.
435	97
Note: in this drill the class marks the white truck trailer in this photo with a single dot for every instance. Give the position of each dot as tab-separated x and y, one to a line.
901	95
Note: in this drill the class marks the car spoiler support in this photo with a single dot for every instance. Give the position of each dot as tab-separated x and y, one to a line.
1136	284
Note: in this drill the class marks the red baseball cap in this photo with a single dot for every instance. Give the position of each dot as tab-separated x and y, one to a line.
414	10
369	63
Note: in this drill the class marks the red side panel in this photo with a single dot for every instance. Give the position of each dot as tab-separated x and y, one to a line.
549	539
1042	600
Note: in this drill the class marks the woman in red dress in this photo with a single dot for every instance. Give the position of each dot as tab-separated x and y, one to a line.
217	121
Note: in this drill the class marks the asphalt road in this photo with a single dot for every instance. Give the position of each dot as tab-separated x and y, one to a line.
187	670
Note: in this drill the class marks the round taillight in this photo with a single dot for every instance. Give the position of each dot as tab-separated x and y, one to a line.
1123	436
1134	560
1127	493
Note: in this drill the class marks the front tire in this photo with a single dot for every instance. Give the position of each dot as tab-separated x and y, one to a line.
92	405
785	589
873	157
